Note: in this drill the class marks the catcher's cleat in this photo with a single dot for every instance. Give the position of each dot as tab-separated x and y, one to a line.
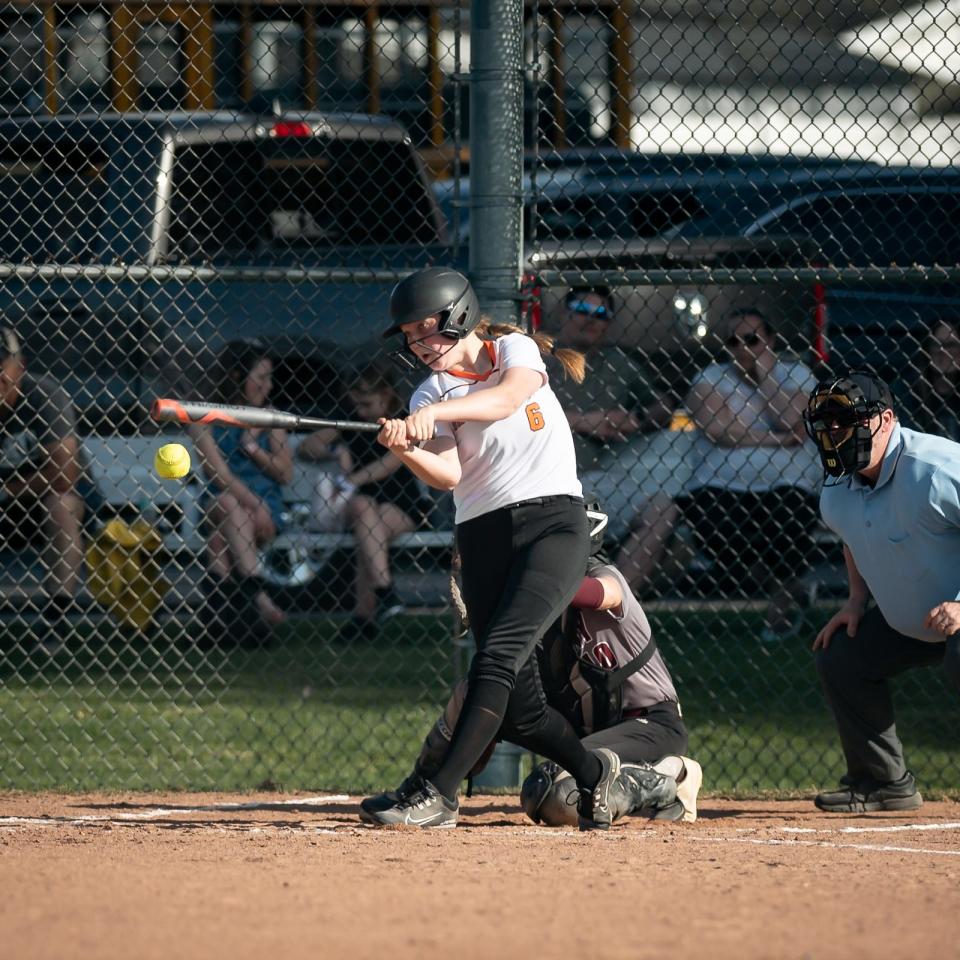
645	788
595	809
900	794
688	787
389	798
424	807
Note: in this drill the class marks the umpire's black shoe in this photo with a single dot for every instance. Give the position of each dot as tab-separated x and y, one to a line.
425	807
596	807
371	806
899	794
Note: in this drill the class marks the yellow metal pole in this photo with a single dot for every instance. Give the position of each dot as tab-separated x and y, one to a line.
435	75
123	28
558	81
246	43
50	58
310	63
198	52
372	59
622	72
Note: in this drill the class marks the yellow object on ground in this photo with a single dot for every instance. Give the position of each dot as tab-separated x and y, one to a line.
123	573
172	461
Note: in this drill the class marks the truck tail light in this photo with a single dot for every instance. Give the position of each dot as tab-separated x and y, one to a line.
291	129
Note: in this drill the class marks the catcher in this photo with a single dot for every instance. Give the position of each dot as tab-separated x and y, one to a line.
600	667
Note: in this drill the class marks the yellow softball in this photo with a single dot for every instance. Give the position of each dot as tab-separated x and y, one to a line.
172	461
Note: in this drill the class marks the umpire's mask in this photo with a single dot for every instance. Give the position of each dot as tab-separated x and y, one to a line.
838	417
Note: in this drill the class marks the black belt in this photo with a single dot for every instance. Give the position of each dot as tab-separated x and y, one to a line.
542	501
670	705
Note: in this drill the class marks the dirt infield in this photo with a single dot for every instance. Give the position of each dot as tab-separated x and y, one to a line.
289	877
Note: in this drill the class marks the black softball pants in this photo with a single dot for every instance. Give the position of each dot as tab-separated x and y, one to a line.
855	671
521	566
658	732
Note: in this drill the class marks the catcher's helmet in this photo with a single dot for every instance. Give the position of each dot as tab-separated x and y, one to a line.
597	521
436	291
549	795
838	416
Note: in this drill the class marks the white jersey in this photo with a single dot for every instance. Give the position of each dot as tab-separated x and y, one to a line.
529	454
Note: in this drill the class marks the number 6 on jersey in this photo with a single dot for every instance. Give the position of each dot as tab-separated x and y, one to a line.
534	416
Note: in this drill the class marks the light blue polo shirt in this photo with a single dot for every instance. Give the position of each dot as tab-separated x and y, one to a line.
904	533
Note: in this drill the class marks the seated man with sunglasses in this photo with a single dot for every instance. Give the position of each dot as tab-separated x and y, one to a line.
618	397
751	501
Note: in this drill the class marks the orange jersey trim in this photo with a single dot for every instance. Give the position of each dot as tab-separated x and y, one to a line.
479	377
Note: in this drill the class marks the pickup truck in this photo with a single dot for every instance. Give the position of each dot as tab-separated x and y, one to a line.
338	192
621	211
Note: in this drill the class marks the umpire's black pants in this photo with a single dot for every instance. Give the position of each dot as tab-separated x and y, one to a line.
520	566
854	672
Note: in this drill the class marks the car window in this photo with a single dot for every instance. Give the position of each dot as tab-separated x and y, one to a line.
609	214
878	228
254	197
53	196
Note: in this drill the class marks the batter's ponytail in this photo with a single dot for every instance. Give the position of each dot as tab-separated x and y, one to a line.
573	362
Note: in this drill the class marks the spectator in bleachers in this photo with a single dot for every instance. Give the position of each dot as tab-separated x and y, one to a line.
619	397
751	500
39	473
935	406
245	470
380	501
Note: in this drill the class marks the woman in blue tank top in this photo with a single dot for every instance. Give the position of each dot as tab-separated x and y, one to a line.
245	470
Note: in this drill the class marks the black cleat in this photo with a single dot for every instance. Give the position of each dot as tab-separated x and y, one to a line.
424	807
371	806
645	788
595	809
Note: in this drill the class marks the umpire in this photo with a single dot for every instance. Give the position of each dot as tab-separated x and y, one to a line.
893	497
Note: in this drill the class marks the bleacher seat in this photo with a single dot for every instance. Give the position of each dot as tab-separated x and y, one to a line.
121	469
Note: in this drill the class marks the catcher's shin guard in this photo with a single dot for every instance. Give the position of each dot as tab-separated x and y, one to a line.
549	796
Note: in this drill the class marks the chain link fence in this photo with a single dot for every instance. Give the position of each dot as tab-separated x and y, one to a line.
212	201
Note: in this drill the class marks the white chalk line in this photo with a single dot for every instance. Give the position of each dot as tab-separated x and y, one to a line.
157	812
538	832
898	828
777	842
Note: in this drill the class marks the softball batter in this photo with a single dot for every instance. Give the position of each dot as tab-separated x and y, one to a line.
601	668
486	425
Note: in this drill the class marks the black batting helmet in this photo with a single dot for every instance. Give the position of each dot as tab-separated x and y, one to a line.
435	292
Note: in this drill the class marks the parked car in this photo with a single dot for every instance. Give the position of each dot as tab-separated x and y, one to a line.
618	210
310	190
894	216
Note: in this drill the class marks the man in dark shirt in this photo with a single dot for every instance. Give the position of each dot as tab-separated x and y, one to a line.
619	397
39	470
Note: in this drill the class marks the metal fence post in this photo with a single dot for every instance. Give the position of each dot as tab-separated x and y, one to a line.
496	154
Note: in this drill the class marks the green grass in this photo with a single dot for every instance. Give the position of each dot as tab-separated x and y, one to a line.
308	714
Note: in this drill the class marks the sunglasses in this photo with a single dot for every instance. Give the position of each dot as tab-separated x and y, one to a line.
750	340
597	310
